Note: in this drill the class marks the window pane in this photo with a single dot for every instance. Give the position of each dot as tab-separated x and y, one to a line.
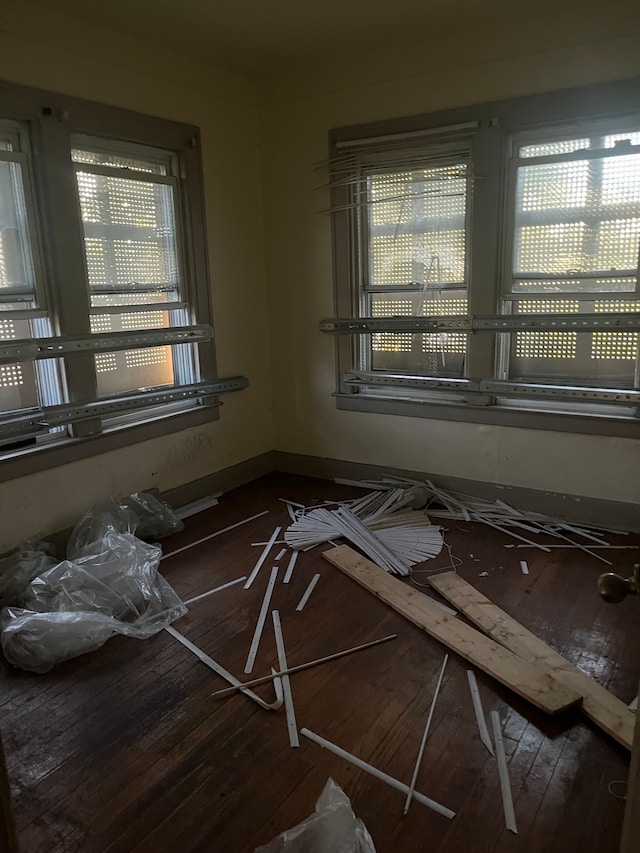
136	369
451	346
99	300
439	354
547	149
615	346
133	370
580	219
30	383
580	358
16	270
417	226
553	185
130	235
632	137
578	216
118	161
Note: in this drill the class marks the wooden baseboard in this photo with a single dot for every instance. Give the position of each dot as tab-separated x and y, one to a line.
222	481
617	515
614	514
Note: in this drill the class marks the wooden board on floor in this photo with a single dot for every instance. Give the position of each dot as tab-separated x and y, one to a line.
600	706
524	678
631	828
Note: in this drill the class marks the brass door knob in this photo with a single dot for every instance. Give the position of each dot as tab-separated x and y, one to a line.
614	588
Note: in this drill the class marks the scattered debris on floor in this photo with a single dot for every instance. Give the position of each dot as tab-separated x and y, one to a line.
503	770
301	666
387	527
196	507
378	774
425	735
523	677
600	706
307	593
109	585
332	828
443	504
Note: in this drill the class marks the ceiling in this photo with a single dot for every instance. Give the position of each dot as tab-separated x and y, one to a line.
261	37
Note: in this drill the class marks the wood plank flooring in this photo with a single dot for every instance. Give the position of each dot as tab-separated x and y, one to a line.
124	750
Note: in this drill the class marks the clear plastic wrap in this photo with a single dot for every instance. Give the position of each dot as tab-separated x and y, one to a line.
112	586
332	828
140	513
21	567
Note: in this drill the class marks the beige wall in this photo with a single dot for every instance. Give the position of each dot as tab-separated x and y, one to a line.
47	50
296	114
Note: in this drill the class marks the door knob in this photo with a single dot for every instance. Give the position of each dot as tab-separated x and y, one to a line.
614	588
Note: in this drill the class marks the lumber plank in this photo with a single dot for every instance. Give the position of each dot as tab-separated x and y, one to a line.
526	679
631	827
600	706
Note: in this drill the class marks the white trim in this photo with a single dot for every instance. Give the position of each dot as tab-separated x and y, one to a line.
308	592
257	634
423	743
290	567
262	558
301	666
213	535
292	726
479	711
378	774
212	591
222	672
503	770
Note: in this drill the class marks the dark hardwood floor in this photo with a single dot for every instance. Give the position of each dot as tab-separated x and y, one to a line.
124	750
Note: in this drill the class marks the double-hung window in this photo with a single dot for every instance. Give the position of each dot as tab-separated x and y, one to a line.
105	324
575	241
486	262
416	260
131	247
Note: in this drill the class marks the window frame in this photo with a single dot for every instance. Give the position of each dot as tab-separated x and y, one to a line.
509	296
495	125
59	261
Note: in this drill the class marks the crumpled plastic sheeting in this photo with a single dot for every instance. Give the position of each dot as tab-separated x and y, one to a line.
332	828
21	567
112	586
140	513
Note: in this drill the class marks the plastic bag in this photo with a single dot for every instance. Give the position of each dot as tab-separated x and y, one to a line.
18	569
332	828
140	513
112	587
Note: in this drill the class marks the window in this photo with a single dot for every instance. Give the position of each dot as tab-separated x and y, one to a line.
487	262
131	238
575	249
104	292
416	261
